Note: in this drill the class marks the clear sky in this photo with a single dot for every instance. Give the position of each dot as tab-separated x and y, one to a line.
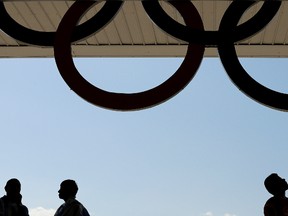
205	152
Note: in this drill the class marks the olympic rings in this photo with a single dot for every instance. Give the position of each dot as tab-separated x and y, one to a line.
230	31
38	38
188	34
123	101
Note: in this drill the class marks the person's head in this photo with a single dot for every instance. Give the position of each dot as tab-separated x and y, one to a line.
275	184
13	188
68	189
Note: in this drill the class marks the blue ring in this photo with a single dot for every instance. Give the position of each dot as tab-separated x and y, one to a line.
46	39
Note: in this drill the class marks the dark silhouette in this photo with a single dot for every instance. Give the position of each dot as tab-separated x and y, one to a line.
10	204
71	207
278	204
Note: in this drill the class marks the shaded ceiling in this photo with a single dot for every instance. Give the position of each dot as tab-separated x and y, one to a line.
133	34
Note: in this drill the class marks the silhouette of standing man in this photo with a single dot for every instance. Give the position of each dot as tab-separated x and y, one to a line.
10	204
71	207
278	204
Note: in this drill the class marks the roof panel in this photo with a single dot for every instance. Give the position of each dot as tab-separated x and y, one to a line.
135	34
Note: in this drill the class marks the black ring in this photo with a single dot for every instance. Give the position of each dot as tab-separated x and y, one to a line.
241	78
213	38
123	101
245	30
39	38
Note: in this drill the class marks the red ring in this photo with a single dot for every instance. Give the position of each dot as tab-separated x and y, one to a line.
126	101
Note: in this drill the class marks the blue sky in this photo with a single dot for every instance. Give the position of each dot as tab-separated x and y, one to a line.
205	152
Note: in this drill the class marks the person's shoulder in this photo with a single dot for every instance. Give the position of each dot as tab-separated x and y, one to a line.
271	199
3	199
25	210
75	202
24	207
270	202
83	210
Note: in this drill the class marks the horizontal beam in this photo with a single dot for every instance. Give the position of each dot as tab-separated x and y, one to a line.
279	51
119	0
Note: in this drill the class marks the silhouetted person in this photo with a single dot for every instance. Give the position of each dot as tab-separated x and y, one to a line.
71	207
278	204
10	204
